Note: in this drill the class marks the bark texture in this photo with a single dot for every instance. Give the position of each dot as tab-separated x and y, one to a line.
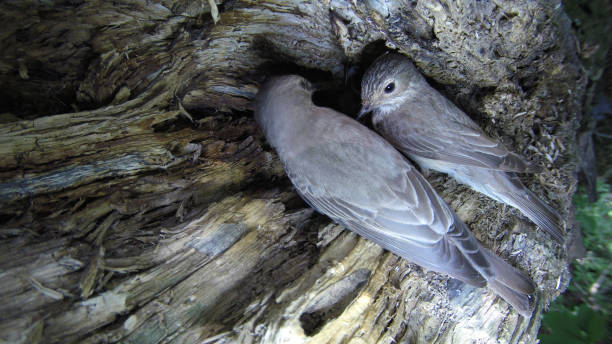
140	203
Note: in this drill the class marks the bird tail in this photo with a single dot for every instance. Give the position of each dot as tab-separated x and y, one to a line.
535	209
511	284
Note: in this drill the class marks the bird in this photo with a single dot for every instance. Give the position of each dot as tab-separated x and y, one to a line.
346	171
433	132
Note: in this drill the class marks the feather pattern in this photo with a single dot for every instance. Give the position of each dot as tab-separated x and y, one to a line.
349	173
436	134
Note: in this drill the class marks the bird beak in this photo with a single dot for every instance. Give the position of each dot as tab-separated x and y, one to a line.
365	109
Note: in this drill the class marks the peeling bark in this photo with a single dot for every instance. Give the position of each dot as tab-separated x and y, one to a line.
141	204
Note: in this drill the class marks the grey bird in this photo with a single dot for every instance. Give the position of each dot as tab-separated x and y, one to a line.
425	126
346	171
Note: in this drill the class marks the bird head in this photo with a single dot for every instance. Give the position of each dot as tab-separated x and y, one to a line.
286	85
390	80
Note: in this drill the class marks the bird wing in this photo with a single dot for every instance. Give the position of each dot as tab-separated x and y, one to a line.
347	172
447	135
383	198
508	188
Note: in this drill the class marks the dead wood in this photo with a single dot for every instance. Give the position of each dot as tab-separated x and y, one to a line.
141	204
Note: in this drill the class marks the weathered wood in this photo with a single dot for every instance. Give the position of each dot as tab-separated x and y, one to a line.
141	204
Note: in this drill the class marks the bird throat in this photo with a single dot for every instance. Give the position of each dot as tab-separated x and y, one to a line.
383	110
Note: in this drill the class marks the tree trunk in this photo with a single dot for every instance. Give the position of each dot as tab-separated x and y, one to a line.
141	204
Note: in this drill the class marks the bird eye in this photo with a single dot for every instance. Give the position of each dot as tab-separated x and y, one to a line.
390	87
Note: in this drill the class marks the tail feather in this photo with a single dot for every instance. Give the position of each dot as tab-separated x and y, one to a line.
506	274
506	187
540	213
523	303
511	284
517	195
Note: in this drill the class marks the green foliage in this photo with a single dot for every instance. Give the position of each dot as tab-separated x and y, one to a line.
593	271
584	313
581	325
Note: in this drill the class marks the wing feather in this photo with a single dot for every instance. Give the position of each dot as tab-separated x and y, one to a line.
447	135
409	219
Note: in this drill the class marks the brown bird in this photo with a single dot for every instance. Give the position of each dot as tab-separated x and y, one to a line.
432	131
349	173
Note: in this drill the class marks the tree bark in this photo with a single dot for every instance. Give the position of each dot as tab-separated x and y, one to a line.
141	204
